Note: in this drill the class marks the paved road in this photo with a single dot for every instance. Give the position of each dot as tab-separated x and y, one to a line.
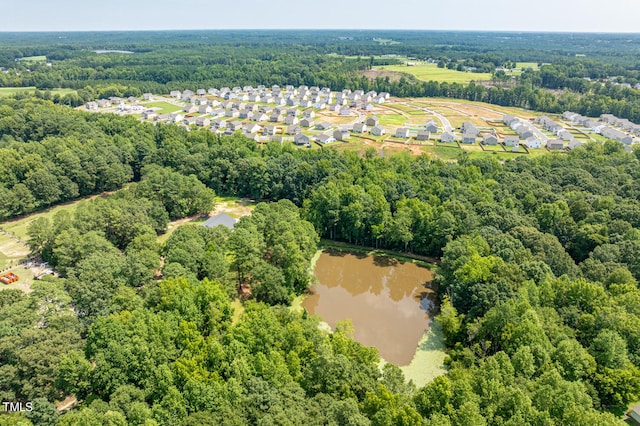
445	122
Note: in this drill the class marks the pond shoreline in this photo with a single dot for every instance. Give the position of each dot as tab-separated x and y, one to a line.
425	261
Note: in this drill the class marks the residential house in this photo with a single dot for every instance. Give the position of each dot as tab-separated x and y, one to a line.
307	122
508	119
323	138
251	128
260	117
524	132
489	139
359	128
276	118
294	130
292	119
91	105
232	113
147	96
219	124
204	109
511	140
161	117
202	121
320	126
431	126
533	142
565	135
201	92
402	132
468	138
377	130
447	137
175	94
341	134
423	135
149	114
103	103
469	129
188	121
221	219
270	130
308	114
190	109
372	121
186	95
235	125
301	139
555	144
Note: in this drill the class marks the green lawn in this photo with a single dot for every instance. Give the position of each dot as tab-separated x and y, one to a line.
165	107
431	72
41	58
19	226
392	119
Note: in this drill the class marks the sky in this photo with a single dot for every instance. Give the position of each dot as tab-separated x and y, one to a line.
483	15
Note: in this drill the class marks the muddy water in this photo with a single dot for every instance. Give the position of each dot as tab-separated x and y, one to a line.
387	300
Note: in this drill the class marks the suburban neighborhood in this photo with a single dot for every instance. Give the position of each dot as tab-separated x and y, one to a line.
312	115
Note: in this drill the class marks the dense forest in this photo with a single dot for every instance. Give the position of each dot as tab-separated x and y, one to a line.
579	72
540	263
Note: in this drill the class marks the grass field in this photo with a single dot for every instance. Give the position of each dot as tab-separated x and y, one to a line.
41	58
165	107
431	72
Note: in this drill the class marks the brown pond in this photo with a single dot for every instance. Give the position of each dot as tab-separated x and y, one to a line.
387	300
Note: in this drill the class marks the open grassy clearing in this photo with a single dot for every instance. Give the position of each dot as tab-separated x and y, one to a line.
431	72
26	278
11	251
40	58
19	227
164	107
234	207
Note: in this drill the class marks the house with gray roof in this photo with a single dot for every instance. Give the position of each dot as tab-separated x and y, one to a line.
324	125
447	137
378	130
306	122
423	135
301	139
489	139
324	138
221	219
402	132
359	128
555	145
431	126
341	134
469	128
294	129
468	138
511	140
372	121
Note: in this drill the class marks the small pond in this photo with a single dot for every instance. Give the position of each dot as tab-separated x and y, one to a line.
388	301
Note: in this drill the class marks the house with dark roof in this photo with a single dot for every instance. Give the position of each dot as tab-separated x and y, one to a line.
489	139
431	126
511	140
221	219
